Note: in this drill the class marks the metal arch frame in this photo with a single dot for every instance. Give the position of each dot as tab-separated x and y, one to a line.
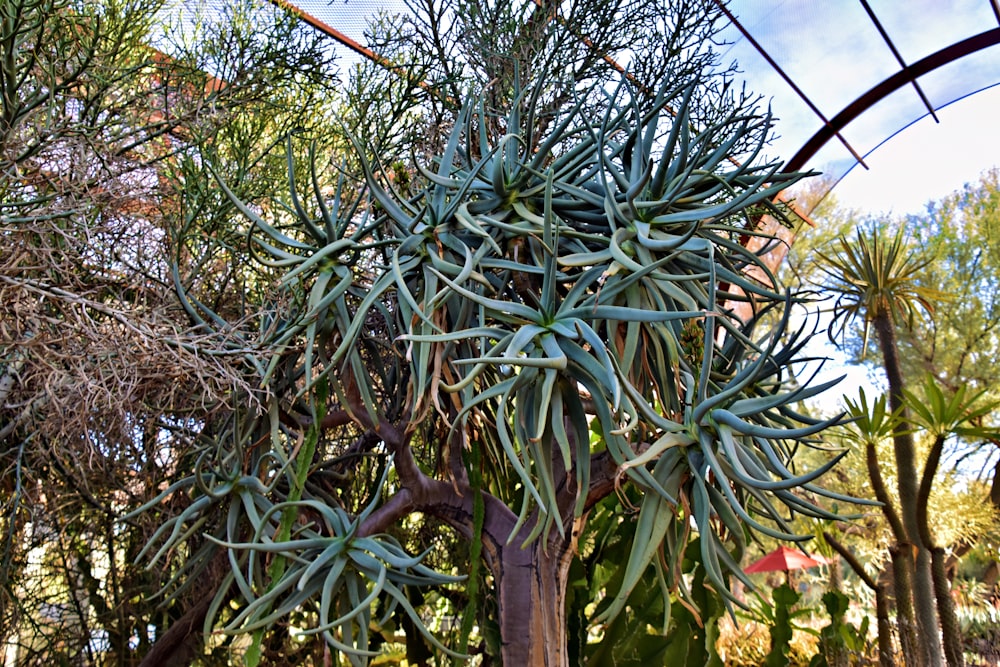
831	128
888	86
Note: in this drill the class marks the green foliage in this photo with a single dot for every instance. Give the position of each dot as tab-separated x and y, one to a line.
510	281
958	346
943	416
346	573
869	425
880	280
840	642
779	617
977	613
656	628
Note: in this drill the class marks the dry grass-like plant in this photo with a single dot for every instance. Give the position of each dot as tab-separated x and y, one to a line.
92	349
101	398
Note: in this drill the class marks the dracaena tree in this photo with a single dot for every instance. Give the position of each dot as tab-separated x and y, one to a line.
536	320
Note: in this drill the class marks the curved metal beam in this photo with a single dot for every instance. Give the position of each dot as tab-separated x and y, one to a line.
887	87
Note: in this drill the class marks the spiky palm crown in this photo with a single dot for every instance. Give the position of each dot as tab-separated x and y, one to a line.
874	275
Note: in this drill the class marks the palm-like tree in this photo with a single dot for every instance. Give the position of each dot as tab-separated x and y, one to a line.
874	280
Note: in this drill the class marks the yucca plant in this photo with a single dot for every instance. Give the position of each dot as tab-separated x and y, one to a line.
540	321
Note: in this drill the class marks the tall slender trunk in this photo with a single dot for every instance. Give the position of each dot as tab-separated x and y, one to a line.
902	587
885	655
950	630
901	553
925	603
531	583
992	574
906	470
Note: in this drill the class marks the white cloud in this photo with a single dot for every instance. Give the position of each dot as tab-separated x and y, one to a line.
928	160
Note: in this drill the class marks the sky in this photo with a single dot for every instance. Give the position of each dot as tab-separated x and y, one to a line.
928	160
820	58
924	162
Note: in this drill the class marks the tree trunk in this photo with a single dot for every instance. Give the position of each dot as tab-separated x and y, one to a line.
885	653
951	633
950	628
532	605
906	472
925	603
902	584
902	566
530	582
992	574
182	642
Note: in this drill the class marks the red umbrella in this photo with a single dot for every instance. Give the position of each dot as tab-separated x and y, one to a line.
783	559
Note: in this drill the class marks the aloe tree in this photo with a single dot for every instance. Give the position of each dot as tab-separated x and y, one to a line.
536	322
874	279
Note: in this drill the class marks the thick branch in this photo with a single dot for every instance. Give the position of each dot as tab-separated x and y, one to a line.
398	442
180	644
603	473
442	501
878	486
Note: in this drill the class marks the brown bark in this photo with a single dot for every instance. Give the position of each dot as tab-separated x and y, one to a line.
532	593
885	653
950	629
530	581
992	574
902	584
902	567
181	644
995	486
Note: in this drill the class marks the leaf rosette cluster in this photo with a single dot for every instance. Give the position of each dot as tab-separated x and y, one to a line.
556	301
